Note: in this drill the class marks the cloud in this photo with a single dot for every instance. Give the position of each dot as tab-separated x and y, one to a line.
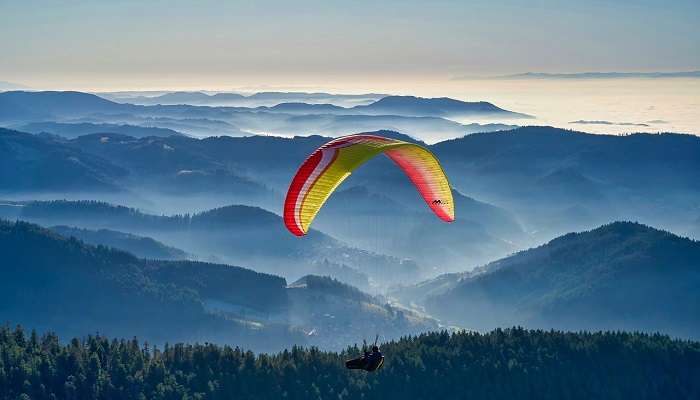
603	122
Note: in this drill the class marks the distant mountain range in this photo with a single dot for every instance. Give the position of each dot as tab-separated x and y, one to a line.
74	130
304	108
621	276
544	182
271	161
411	115
195	98
171	301
431	129
601	75
569	180
435	107
237	99
19	106
408	106
405	106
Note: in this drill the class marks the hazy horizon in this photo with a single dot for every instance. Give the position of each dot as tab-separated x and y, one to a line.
184	44
612	106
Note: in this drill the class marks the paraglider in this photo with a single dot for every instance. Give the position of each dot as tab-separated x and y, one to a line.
369	362
326	168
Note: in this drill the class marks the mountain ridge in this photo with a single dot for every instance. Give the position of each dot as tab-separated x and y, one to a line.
412	115
75	130
435	107
235	234
32	163
170	301
622	275
140	246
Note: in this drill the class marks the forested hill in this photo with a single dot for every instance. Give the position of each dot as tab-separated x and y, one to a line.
502	364
51	282
621	275
238	235
140	246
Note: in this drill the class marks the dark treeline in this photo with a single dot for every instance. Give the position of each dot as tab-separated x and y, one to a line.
502	364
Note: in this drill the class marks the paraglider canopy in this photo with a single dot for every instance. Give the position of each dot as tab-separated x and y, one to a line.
327	167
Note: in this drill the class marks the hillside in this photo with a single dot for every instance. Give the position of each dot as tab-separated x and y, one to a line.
513	188
542	182
30	163
542	173
269	159
152	155
503	364
43	106
74	130
530	153
337	314
239	235
621	276
416	295
140	246
153	167
175	166
435	107
76	289
377	207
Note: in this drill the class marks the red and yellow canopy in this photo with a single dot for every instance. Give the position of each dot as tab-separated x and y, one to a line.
330	164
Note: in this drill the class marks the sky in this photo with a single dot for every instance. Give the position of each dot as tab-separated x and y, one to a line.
221	44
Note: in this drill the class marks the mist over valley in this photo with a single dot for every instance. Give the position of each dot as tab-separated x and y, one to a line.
171	184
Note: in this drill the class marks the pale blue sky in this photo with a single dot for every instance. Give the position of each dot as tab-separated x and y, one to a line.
130	42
